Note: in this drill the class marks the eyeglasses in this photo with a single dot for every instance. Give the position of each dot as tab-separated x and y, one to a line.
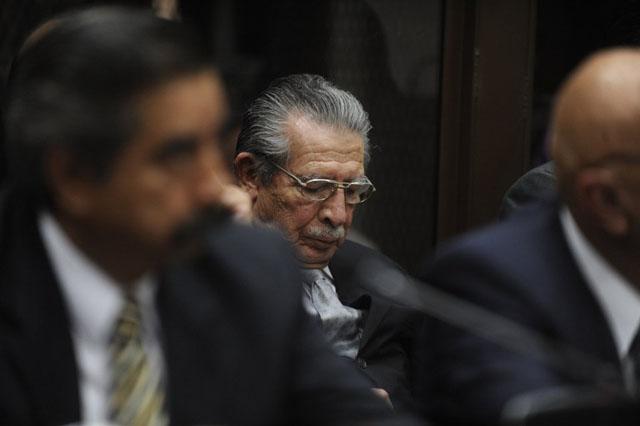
321	189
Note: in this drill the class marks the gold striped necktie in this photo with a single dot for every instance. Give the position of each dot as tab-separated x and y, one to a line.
137	397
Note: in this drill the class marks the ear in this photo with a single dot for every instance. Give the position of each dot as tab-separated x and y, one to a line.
598	194
245	165
71	183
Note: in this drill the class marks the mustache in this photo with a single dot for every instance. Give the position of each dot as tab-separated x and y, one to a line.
194	228
326	232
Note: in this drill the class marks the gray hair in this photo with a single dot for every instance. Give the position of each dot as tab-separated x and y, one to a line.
263	132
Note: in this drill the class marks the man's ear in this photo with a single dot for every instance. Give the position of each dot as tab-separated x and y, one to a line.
71	183
598	194
245	165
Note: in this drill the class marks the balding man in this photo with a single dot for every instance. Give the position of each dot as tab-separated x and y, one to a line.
568	269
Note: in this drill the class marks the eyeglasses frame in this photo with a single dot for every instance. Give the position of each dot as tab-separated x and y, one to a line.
337	184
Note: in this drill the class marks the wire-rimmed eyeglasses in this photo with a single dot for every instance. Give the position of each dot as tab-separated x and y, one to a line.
316	189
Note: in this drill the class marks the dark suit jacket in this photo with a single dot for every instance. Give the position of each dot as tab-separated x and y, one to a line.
535	185
386	351
521	269
238	347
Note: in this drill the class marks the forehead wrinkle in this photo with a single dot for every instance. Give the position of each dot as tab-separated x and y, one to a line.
299	125
323	163
302	121
320	151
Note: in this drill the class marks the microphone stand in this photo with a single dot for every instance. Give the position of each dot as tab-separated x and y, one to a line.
558	356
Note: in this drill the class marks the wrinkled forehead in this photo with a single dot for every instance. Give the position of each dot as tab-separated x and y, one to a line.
318	150
306	134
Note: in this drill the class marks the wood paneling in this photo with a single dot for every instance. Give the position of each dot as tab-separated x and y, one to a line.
488	54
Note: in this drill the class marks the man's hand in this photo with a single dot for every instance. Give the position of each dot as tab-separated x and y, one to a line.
383	394
237	202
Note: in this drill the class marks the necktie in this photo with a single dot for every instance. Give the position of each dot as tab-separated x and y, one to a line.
633	356
136	396
340	323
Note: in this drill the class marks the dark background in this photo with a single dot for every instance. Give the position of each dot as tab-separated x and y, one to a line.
567	32
385	52
389	54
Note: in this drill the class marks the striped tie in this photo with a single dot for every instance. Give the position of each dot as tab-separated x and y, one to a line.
136	397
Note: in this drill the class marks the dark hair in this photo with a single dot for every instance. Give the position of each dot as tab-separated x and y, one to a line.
74	83
264	124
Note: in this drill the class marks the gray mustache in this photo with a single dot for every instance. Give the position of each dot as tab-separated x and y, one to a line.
334	233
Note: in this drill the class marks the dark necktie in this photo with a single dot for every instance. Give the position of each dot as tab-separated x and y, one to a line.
633	357
136	398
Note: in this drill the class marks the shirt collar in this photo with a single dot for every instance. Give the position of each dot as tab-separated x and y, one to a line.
327	272
93	298
310	275
617	297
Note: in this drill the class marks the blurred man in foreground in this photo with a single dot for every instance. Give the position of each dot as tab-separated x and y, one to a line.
116	302
567	269
301	157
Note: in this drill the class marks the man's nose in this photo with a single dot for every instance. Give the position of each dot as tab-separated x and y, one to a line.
334	209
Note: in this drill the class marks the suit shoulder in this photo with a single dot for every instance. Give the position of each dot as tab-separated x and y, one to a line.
243	263
256	254
352	253
536	226
248	241
356	266
525	258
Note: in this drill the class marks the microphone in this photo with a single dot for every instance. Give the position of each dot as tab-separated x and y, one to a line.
607	402
556	355
402	289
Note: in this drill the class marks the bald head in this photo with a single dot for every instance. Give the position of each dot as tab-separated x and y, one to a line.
597	111
596	146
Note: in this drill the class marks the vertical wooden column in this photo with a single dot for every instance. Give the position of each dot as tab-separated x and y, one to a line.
488	54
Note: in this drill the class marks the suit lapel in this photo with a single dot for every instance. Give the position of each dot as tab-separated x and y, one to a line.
582	318
374	318
549	281
39	339
350	287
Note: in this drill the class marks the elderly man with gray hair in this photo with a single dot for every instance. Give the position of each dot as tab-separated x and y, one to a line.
301	157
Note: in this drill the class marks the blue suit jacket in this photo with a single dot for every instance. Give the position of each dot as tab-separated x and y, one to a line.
521	269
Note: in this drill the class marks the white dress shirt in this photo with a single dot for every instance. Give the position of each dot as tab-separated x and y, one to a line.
94	301
619	300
